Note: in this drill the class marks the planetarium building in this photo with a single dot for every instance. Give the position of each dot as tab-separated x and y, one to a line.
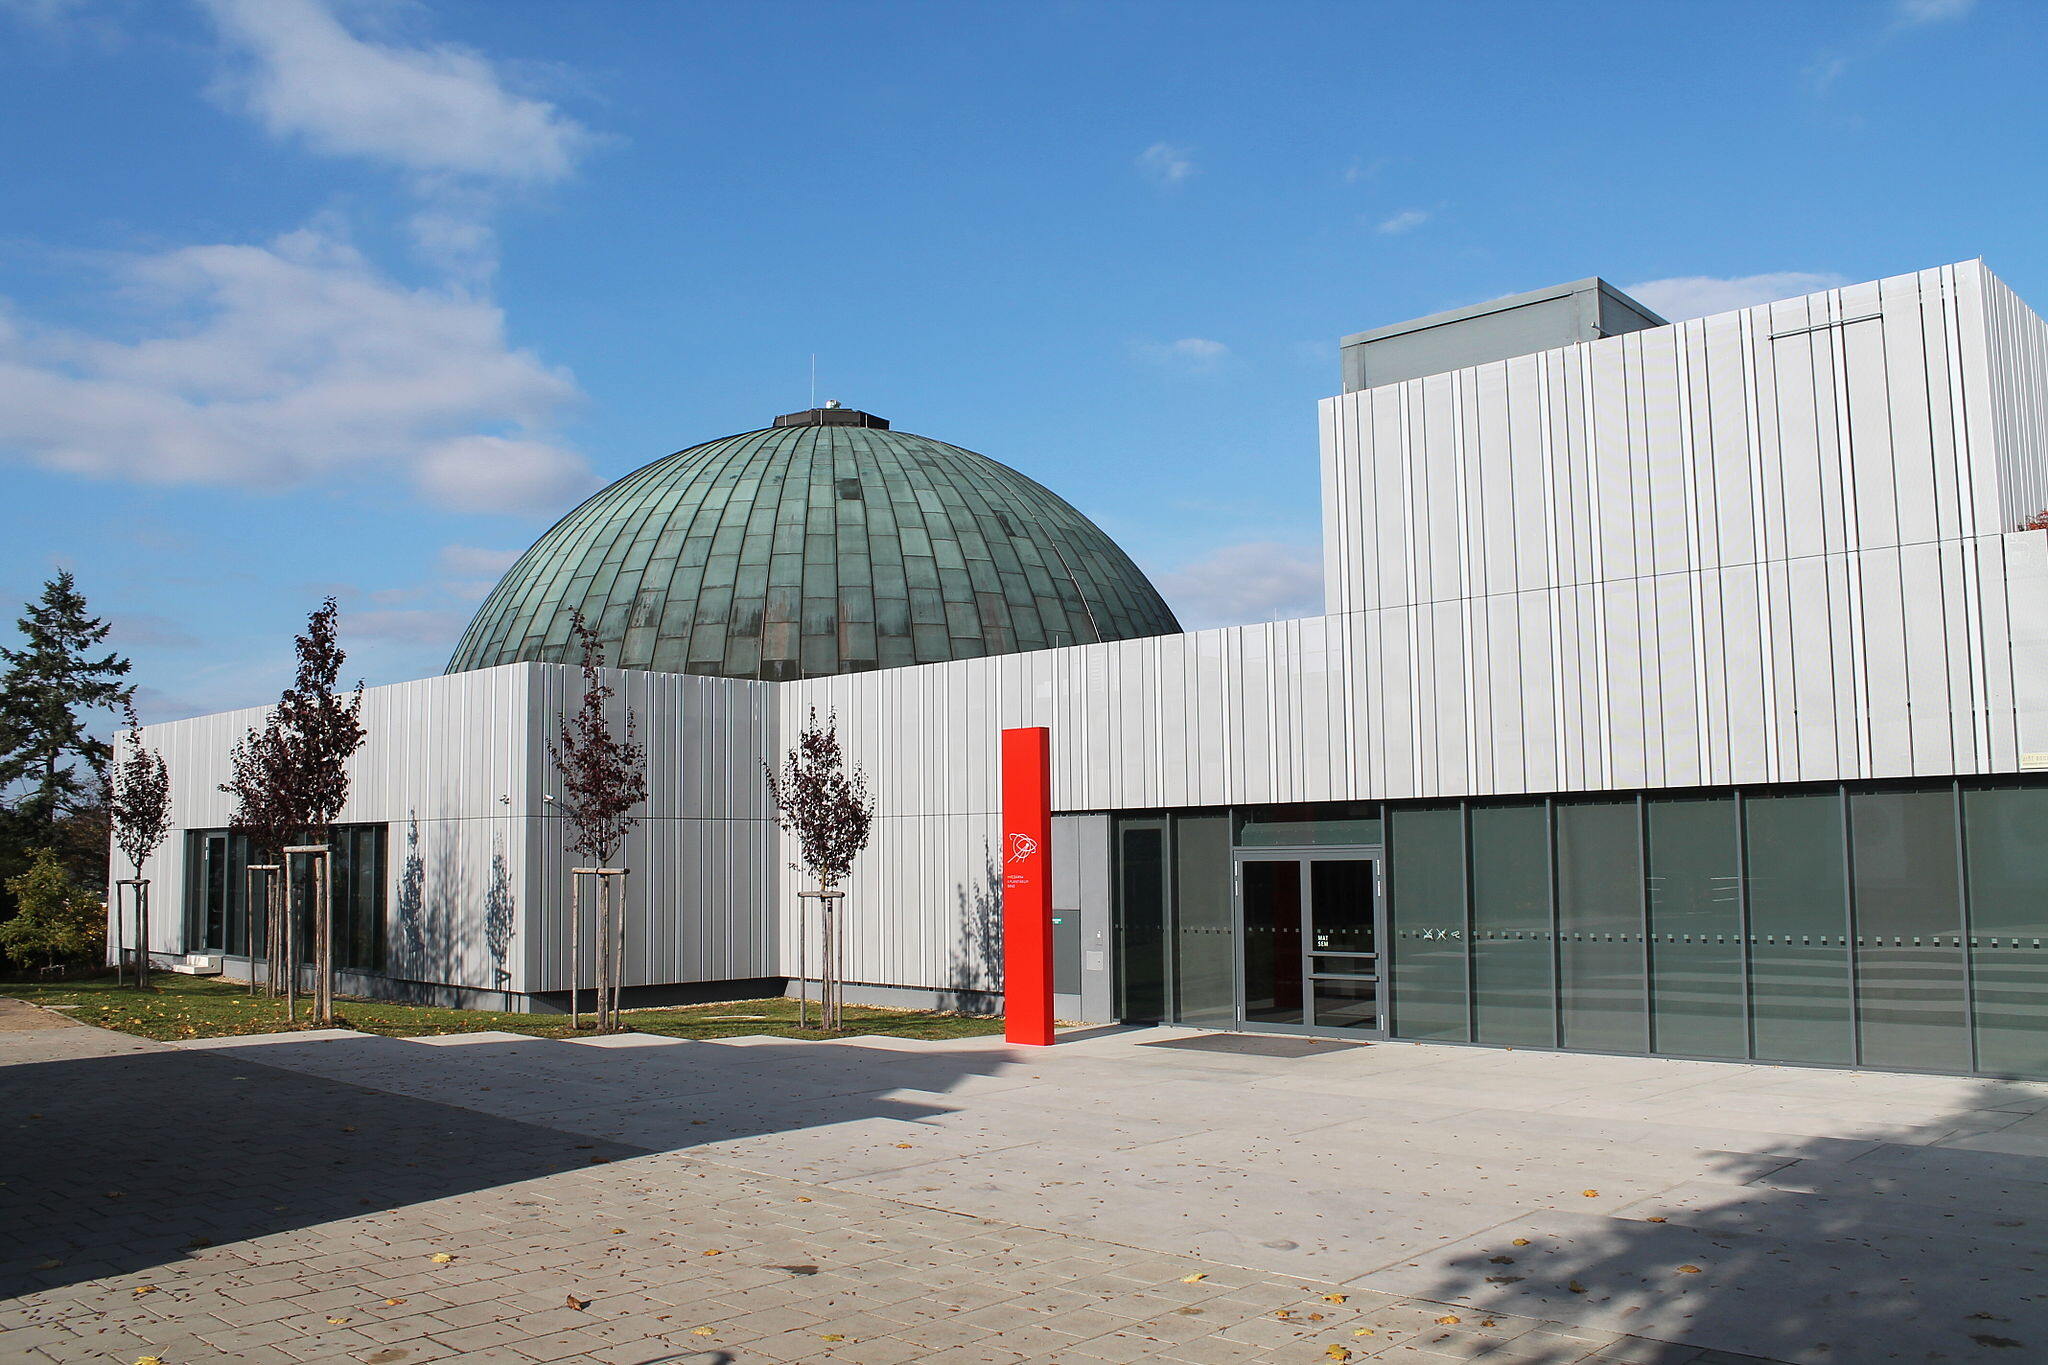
1682	689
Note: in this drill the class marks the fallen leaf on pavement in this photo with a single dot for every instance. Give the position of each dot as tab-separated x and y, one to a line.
617	1231
1448	1320
145	1289
714	1252
1590	1194
1335	1298
1656	1220
336	1322
1521	1241
830	1336
1336	1352
1688	1270
703	1331
393	1303
578	1304
442	1258
1195	1278
1576	1287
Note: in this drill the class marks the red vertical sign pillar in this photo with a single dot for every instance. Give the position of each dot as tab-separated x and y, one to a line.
1027	886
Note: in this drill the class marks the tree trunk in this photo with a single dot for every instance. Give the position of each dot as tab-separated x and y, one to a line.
619	957
575	948
277	918
603	950
828	1013
323	942
141	932
291	953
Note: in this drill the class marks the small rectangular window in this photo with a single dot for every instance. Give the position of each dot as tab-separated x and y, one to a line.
1003	520
849	490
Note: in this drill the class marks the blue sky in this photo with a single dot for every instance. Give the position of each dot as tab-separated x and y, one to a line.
356	296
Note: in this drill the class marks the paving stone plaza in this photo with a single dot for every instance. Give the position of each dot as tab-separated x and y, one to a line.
498	1198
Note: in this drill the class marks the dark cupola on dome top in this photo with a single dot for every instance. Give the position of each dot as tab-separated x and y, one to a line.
826	543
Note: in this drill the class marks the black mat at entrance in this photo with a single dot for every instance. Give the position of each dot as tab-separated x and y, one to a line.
1256	1044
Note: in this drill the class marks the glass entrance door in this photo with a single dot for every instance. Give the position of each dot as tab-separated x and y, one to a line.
1310	941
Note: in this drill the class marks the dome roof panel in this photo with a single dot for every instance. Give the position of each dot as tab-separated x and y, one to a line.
825	544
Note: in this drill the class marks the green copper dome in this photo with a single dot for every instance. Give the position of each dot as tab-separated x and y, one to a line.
824	544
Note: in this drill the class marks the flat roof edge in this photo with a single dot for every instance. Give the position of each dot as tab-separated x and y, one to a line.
1590	284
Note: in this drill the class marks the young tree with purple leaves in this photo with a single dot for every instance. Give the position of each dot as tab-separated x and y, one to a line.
604	782
293	774
139	803
261	816
830	812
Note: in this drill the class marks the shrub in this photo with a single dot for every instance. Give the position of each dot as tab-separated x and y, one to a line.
56	919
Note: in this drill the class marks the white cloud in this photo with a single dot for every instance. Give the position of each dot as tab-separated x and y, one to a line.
1360	169
1194	354
1827	69
1931	11
1238	584
1698	296
433	109
270	366
1165	164
471	561
422	626
500	474
1407	220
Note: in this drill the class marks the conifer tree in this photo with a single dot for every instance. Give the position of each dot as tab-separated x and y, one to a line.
50	762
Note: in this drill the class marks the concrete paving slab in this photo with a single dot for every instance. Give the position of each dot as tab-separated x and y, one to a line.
1100	1172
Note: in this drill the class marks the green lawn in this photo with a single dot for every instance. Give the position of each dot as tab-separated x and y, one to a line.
198	1007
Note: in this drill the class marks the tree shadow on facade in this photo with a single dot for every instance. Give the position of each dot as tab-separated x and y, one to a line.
448	930
1876	1247
977	956
410	909
131	1159
501	915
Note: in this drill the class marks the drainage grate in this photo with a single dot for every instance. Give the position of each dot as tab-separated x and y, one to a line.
1256	1044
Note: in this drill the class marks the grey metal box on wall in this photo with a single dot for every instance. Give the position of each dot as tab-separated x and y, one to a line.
1500	329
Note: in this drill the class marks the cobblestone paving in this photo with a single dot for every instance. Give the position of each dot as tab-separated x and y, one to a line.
195	1205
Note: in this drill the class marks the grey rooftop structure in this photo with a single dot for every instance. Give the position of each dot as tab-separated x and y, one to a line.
1520	324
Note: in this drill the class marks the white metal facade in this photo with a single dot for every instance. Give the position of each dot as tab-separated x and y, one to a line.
1775	545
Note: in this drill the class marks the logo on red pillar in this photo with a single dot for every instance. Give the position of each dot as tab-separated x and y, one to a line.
1021	847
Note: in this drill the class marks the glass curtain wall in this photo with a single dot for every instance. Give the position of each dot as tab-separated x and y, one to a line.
220	918
1514	977
1176	944
1884	924
1426	915
1890	924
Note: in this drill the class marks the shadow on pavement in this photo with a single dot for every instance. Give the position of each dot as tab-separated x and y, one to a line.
1867	1248
128	1159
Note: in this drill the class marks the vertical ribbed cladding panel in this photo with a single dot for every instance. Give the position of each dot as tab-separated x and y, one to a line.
1824	424
441	768
2017	399
702	859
